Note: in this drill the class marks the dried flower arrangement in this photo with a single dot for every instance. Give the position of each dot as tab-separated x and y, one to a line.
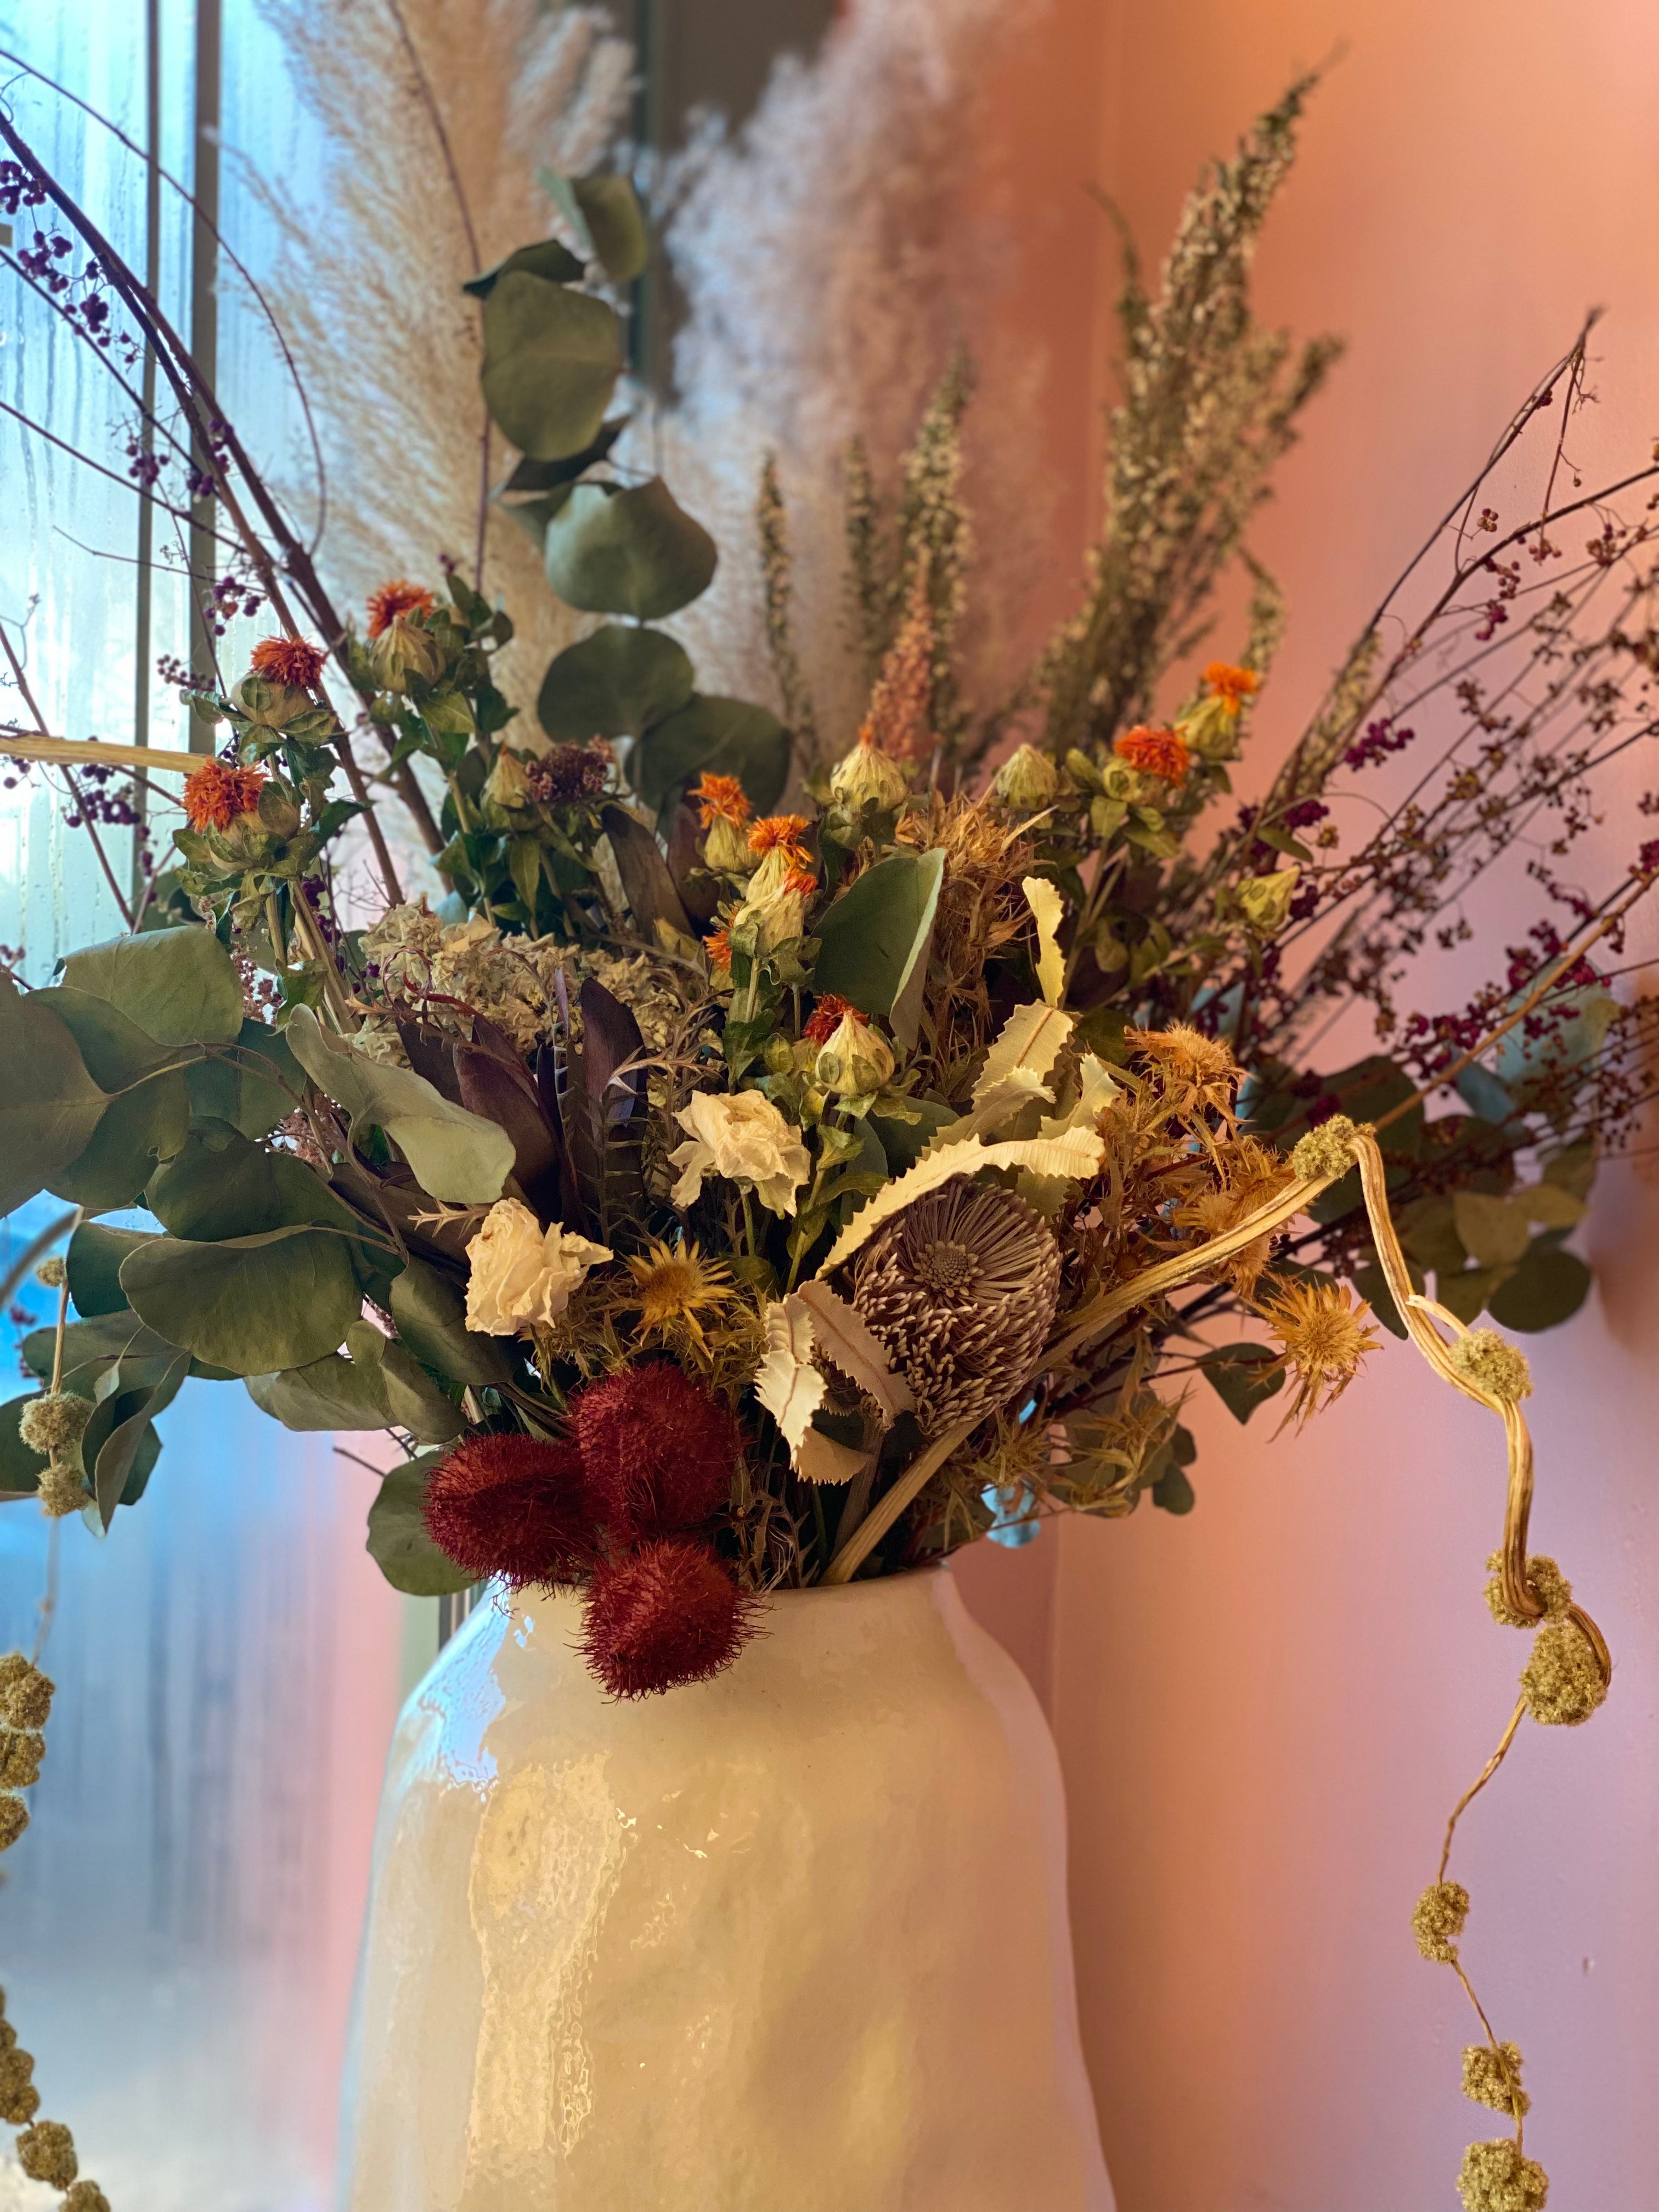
715	1198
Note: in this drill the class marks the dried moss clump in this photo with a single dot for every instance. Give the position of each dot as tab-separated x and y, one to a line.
1493	1364
1496	2178
1544	1579
1437	1917
1326	1151
1493	2077
46	2153
1562	1682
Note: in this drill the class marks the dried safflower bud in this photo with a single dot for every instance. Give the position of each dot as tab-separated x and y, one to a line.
1264	902
46	2153
1326	1151
1493	1365
21	1753
1027	779
868	777
25	1692
402	653
1496	2178
1562	1682
1437	1917
1493	2077
1544	1579
53	1421
20	2100
855	1060
63	1491
52	1273
507	785
85	2197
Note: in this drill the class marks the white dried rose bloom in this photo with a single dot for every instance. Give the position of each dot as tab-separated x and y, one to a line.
521	1275
745	1139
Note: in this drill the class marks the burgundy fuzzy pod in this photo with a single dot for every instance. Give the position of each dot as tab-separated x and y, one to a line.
657	1450
514	1506
663	1615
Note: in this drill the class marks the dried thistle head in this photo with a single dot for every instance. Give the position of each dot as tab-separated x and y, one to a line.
1248	1175
1194	1074
674	1288
1322	1332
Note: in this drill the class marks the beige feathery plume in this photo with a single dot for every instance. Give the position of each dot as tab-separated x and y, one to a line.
834	253
369	286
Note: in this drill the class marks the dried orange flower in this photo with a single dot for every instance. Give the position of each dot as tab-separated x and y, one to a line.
826	1018
802	880
288	660
1155	752
1323	1338
395	599
785	831
215	794
1232	686
721	798
718	946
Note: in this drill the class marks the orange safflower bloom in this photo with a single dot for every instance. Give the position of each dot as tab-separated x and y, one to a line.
803	878
288	660
826	1018
1232	686
215	793
785	830
721	798
718	946
395	599
1155	752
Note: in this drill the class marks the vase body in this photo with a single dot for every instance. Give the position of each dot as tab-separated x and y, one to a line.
794	1940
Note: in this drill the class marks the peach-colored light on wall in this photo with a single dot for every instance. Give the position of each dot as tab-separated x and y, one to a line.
1267	1711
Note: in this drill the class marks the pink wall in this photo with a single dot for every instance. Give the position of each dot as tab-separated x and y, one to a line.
1267	1711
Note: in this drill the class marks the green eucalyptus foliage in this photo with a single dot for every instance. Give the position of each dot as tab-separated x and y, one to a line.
397	1541
628	550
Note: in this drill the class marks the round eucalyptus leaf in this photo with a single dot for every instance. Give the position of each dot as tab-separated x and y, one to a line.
397	1541
177	985
723	737
551	360
251	1304
50	1107
616	224
614	685
630	550
553	263
1547	1288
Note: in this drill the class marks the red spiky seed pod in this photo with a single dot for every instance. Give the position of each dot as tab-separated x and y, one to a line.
657	1450
664	1615
513	1506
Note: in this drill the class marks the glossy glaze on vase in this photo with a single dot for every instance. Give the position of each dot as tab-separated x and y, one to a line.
792	1941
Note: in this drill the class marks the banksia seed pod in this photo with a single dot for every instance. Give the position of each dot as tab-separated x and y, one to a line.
46	2153
663	1615
514	1506
658	1451
961	1289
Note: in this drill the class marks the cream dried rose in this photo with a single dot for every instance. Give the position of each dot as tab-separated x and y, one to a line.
745	1139
521	1275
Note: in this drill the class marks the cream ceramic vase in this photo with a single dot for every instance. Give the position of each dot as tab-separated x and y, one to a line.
792	1941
